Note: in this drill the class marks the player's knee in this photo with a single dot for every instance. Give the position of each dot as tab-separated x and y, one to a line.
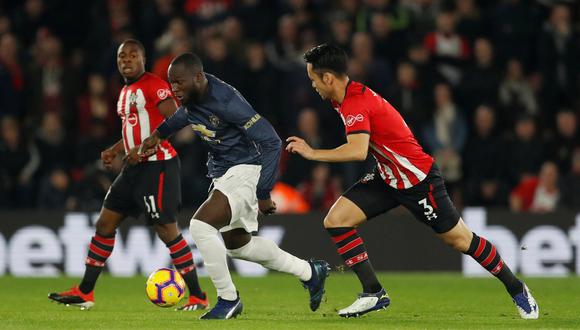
199	229
167	232
105	228
334	221
460	243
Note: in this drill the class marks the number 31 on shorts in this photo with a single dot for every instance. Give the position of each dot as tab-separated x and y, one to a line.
427	209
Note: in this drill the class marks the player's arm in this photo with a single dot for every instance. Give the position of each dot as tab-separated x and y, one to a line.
258	129
167	107
168	127
355	149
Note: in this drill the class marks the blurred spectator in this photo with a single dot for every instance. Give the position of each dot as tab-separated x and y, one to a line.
516	96
308	129
480	82
28	19
484	162
526	151
258	83
19	161
155	17
513	26
55	191
558	53
177	30
320	191
445	135
54	146
570	192
233	34
375	72
283	51
388	44
469	20
427	74
11	77
449	49
161	65
96	103
219	62
407	96
537	194
565	140
341	29
88	153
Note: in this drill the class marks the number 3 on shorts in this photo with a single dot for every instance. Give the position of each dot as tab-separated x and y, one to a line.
428	210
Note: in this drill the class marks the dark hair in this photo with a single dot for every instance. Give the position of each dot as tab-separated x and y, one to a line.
136	43
327	57
189	60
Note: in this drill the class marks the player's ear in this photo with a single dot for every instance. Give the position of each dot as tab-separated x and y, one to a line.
327	78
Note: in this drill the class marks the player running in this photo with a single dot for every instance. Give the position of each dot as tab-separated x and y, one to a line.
404	175
243	161
152	186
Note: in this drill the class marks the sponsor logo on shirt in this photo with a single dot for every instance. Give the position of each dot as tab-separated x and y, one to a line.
162	94
252	121
351	120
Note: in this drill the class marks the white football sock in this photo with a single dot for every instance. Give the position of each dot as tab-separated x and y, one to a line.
213	253
265	252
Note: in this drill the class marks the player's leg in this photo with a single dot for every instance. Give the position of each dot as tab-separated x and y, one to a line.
462	239
162	182
430	203
212	215
182	259
366	199
117	205
242	245
100	248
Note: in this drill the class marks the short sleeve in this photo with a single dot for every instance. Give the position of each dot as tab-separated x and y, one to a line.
158	91
356	118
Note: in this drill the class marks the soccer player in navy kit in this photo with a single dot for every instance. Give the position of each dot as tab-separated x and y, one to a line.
243	161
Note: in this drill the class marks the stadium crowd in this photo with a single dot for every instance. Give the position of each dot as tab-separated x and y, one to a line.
490	88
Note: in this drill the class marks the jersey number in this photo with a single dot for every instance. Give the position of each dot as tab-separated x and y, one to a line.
151	208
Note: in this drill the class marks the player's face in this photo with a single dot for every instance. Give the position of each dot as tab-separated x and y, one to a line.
318	83
185	85
130	61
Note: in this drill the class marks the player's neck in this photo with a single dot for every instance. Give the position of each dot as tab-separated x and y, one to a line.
340	91
129	81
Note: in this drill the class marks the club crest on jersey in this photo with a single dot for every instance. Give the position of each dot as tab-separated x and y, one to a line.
351	120
132	119
214	120
162	93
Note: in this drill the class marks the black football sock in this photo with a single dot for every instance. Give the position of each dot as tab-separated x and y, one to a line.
183	261
485	253
352	249
100	249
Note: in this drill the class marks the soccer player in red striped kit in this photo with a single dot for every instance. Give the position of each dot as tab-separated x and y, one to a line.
149	186
404	175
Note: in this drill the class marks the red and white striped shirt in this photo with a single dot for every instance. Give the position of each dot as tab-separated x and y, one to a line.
401	161
137	107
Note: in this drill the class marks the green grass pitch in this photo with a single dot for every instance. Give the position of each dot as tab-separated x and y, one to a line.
419	301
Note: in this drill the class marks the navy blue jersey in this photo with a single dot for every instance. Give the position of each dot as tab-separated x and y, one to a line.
235	133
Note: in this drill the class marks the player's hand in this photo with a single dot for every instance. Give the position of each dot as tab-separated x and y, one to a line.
149	146
133	157
107	156
267	206
297	145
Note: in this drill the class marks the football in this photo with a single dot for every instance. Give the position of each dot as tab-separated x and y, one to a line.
165	287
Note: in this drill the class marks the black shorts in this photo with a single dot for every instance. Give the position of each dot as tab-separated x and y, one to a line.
150	188
428	201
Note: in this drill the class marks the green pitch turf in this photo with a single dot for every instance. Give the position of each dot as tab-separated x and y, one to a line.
419	301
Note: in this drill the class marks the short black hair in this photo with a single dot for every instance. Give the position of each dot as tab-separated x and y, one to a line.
189	60
136	43
327	57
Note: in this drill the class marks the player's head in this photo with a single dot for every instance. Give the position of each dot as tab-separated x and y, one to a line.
326	65
131	59
185	74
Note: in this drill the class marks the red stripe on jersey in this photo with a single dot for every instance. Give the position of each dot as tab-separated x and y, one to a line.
388	157
160	191
122	114
342	237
